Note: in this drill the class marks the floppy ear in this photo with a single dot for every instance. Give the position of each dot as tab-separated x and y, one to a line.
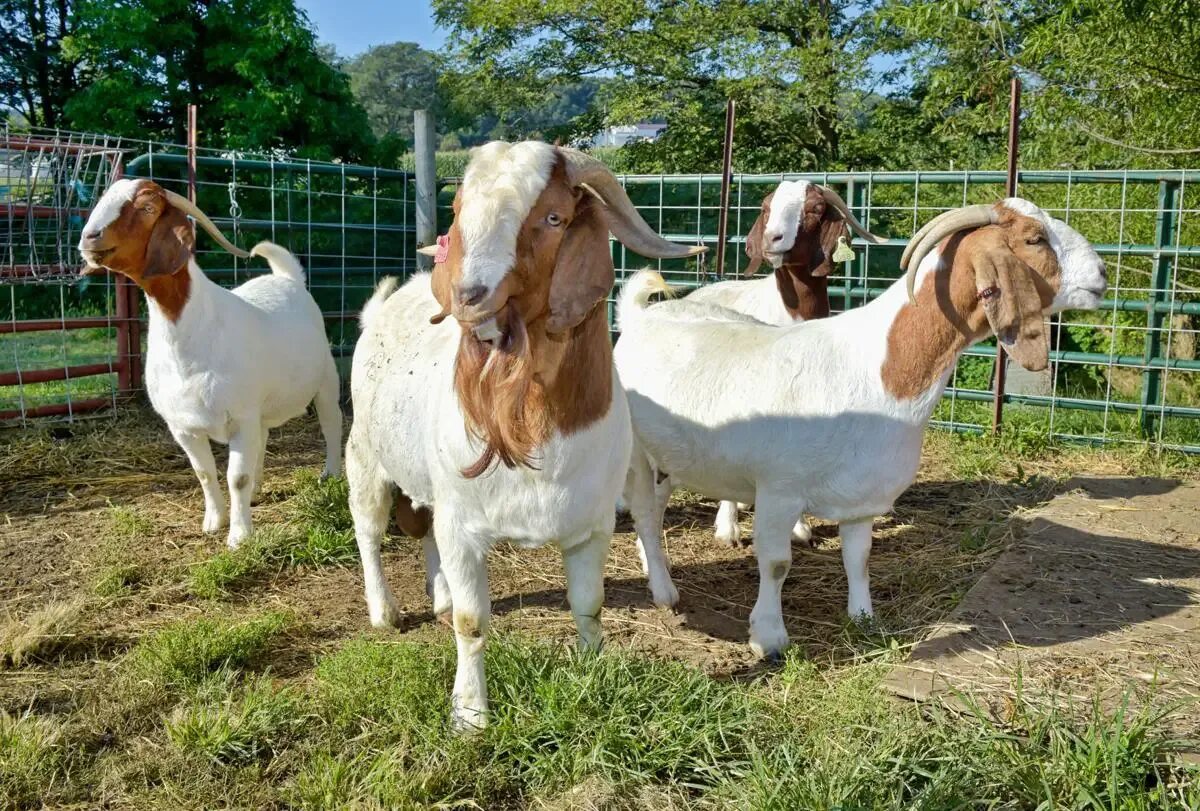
754	246
820	261
1009	295
583	272
171	244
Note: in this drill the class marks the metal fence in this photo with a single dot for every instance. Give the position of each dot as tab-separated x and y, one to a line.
1127	373
70	345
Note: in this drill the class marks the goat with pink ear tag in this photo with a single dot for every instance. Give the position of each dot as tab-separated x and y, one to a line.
485	392
840	404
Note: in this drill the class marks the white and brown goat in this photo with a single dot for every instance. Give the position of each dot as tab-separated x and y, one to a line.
221	365
799	228
486	392
837	407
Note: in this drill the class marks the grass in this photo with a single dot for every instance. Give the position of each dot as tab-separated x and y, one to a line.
40	634
318	532
32	757
370	730
206	702
53	350
183	655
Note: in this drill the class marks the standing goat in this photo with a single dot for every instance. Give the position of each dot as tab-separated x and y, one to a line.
222	365
507	422
798	231
827	416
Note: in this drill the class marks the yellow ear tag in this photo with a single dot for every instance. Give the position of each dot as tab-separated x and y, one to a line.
843	252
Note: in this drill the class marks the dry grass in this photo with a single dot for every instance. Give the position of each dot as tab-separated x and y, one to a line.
40	634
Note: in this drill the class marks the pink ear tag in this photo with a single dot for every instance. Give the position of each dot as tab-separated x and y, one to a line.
443	249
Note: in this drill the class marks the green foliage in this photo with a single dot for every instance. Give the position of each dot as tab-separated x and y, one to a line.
251	66
390	81
319	532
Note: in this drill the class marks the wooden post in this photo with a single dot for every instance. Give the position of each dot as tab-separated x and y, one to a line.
726	181
424	150
1010	189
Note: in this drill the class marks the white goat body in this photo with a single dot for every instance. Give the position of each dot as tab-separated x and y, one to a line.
794	418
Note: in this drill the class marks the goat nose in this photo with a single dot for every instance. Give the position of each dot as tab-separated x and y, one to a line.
776	237
472	295
93	235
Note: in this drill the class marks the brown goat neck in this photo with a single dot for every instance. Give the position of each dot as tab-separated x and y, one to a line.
578	391
926	337
169	291
804	296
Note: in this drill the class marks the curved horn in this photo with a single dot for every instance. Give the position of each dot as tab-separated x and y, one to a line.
937	229
623	219
834	199
188	207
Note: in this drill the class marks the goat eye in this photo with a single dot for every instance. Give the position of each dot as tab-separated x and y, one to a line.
1038	240
148	209
553	219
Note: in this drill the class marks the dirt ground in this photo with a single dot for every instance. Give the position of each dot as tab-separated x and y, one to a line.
58	489
1099	597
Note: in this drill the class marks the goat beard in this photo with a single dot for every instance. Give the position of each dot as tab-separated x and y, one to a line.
501	401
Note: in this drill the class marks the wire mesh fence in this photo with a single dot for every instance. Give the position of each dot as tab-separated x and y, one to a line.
349	225
1125	373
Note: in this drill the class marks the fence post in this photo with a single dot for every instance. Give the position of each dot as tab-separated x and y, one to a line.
424	154
1165	227
726	180
1010	189
856	198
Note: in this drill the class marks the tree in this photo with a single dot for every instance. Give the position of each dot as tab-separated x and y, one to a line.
252	67
796	69
36	78
390	81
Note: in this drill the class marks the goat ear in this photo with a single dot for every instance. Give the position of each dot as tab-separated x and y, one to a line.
171	244
820	263
754	246
583	272
1010	298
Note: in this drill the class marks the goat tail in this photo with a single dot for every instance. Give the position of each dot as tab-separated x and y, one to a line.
636	293
382	290
282	261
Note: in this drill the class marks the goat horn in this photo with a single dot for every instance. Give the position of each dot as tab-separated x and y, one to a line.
188	207
624	221
834	199
937	229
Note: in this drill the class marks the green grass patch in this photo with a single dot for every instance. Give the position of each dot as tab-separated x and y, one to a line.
127	525
32	760
184	654
118	579
227	723
318	532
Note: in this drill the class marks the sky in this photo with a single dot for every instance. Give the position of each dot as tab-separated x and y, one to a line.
352	26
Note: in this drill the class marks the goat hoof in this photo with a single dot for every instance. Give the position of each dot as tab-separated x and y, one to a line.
388	616
665	597
235	537
769	646
213	522
732	539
